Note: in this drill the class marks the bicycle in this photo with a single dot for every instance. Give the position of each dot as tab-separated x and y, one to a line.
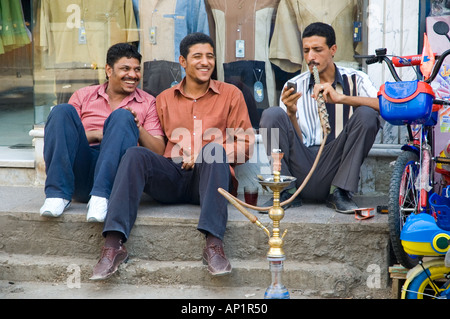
418	216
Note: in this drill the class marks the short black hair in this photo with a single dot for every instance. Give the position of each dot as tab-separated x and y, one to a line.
322	30
193	39
120	50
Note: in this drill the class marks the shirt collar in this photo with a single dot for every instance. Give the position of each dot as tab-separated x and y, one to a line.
212	86
337	79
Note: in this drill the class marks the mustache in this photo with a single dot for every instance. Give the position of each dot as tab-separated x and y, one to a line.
312	63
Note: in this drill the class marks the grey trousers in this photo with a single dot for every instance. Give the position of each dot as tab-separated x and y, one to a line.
141	170
341	159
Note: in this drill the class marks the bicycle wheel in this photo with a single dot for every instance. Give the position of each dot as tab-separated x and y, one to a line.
430	283
403	200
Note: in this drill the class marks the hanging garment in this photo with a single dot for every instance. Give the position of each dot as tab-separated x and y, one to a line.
242	32
78	33
293	16
164	23
13	32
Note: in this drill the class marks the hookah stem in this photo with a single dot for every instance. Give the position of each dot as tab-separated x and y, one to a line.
323	114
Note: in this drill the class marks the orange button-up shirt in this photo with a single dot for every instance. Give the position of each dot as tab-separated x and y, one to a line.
220	115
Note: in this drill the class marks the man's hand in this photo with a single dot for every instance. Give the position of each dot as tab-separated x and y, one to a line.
290	98
187	166
136	119
188	163
153	143
330	95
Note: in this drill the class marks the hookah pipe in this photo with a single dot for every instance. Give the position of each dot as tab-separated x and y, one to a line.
323	115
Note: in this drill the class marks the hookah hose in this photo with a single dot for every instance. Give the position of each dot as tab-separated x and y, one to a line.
323	114
326	129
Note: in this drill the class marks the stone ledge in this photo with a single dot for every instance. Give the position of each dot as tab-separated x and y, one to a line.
16	158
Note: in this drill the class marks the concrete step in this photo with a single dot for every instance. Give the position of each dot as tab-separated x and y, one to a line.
327	254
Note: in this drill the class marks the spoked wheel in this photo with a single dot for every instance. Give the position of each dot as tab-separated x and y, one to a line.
430	283
403	201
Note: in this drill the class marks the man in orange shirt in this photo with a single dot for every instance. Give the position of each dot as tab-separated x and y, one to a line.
208	131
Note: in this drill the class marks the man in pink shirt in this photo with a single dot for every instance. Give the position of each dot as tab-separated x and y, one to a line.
86	138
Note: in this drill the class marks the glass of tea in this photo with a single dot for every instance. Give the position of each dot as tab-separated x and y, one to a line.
251	195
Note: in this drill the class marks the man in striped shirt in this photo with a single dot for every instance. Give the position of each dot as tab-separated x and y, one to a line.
352	107
86	138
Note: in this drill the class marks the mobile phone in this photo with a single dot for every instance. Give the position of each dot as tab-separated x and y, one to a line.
292	85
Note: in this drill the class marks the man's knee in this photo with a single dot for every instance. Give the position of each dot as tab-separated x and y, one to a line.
367	117
272	117
121	113
63	118
63	110
120	117
134	155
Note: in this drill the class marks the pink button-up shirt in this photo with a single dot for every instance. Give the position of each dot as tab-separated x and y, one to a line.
92	105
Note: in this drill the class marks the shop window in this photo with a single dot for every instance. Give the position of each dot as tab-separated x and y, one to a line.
258	47
16	76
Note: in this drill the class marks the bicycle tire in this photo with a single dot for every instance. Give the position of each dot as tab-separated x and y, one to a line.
429	283
407	163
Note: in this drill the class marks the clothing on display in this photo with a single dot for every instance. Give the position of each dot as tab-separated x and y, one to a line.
242	32
13	32
70	80
249	77
292	18
160	75
163	25
78	33
257	42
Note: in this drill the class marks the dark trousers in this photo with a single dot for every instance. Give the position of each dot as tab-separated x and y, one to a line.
141	170
341	159
74	168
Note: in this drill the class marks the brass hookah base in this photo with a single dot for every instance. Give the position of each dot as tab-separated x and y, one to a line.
276	255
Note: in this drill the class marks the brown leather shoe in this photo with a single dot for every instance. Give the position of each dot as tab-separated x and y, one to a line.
109	262
214	257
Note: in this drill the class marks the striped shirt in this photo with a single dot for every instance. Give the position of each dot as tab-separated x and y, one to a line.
347	81
92	105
